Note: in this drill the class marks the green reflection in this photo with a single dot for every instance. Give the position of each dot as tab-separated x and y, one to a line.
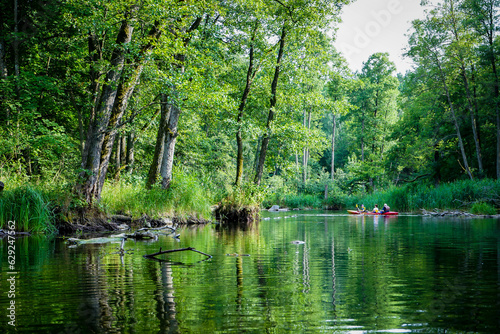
406	274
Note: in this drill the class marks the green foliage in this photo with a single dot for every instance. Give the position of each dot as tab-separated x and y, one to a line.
185	198
247	195
28	208
387	131
482	208
414	197
301	202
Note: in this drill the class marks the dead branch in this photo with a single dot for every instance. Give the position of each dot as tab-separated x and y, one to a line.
176	250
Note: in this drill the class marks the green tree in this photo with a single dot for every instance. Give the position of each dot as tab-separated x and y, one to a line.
427	49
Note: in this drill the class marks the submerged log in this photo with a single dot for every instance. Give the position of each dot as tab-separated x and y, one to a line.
103	240
141	235
149	256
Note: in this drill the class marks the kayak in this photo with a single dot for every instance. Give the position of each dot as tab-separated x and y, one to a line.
390	213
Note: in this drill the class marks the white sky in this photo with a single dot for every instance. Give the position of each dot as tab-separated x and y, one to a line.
370	26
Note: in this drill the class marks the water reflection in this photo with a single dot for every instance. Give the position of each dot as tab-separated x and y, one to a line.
310	273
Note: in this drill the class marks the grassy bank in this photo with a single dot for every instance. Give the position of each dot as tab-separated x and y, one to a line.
185	198
477	196
32	206
28	207
35	206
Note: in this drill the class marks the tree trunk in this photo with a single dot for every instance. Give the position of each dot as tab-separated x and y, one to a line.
332	169
125	91
496	94
274	85
297	165
257	154
154	169
3	67
239	140
455	121
130	151
173	111
123	150
473	120
306	148
465	81
17	73
362	137
169	149
304	154
118	158
91	158
122	96
3	76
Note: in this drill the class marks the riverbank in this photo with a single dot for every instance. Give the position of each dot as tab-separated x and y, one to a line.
55	210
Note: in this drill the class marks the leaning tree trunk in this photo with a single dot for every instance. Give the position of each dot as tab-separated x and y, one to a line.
274	85
465	81
473	120
125	91
91	157
455	121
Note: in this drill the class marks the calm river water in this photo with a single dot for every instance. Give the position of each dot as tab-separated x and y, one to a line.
348	274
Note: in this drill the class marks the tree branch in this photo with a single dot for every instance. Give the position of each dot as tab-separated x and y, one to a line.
175	250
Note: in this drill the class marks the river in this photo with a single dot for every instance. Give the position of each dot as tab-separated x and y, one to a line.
294	272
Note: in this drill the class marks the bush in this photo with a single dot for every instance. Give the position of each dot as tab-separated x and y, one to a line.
240	205
482	208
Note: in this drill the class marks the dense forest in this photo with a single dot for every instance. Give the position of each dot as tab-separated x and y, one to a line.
116	104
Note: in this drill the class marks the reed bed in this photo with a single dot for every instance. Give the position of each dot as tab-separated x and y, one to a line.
28	207
483	195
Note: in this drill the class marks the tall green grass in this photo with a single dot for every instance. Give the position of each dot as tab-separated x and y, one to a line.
28	208
459	195
247	195
185	198
301	201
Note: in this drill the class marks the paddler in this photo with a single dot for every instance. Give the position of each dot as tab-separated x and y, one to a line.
362	209
385	209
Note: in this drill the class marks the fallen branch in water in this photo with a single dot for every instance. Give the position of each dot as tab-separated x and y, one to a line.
176	250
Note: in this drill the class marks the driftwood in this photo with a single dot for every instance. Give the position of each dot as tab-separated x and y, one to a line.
102	240
141	235
150	256
172	229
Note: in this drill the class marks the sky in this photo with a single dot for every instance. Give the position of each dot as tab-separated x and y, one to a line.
370	26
